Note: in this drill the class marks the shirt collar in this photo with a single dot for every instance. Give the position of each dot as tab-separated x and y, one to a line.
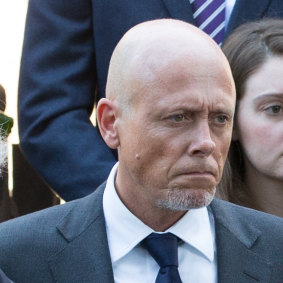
125	230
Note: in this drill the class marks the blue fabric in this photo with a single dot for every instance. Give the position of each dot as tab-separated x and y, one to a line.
4	278
164	249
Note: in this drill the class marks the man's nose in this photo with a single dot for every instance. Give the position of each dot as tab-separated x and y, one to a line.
201	143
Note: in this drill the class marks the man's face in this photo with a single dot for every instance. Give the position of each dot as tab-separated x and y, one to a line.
174	143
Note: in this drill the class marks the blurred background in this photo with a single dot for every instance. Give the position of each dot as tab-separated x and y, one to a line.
12	22
28	192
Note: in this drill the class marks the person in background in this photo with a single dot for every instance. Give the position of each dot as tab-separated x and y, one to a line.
6	124
169	107
255	54
66	53
7	207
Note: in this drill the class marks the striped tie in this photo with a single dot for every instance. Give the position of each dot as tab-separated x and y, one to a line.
209	16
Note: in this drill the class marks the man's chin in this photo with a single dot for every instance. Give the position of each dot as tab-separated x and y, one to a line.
186	199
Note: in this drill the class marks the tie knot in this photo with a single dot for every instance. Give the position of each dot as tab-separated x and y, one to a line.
163	248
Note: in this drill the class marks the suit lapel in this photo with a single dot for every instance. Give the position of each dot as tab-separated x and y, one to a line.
236	260
245	11
85	257
179	9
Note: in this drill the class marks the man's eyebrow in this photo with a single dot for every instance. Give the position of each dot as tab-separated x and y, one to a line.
268	96
195	109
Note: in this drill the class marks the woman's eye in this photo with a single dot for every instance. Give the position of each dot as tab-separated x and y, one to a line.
178	118
274	109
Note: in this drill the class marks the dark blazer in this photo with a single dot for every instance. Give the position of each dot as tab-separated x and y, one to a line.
66	53
4	278
68	243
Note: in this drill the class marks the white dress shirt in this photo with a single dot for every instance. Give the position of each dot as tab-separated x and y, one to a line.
132	263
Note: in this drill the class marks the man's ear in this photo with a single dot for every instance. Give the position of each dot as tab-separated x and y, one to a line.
106	118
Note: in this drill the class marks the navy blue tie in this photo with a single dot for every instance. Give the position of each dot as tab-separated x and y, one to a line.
164	249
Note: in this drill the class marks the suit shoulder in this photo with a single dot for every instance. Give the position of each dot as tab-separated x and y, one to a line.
259	232
239	215
46	216
36	226
28	243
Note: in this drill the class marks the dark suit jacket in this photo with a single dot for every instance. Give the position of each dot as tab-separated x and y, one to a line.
68	243
66	53
4	278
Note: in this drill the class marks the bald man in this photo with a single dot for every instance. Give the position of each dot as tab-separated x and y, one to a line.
168	110
66	53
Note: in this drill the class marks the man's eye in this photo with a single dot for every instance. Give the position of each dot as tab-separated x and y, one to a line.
274	109
221	119
177	117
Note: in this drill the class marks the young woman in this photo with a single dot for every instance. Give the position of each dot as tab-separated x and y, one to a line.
255	53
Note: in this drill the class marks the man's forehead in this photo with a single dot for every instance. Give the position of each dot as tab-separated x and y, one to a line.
149	59
197	96
182	73
194	98
156	43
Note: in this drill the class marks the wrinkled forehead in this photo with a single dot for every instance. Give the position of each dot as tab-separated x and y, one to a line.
164	56
167	72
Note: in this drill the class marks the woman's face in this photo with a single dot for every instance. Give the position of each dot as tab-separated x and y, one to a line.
259	121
